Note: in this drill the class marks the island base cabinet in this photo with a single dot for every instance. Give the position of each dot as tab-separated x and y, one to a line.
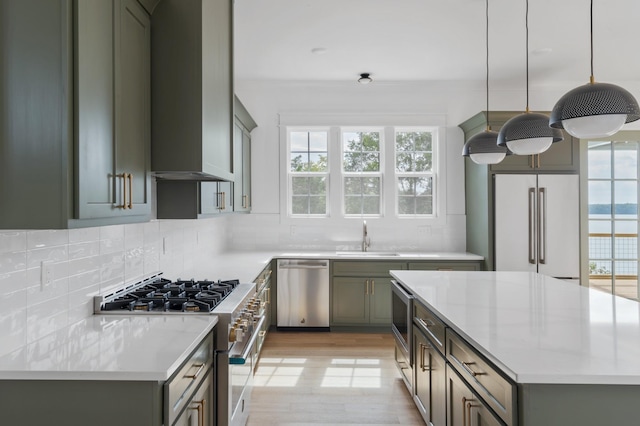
464	407
430	381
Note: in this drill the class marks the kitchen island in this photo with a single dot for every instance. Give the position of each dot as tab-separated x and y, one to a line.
536	350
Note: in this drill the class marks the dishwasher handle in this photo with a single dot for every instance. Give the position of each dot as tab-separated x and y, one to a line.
305	264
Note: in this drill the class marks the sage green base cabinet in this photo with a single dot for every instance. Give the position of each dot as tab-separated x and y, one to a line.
76	113
361	292
464	408
430	380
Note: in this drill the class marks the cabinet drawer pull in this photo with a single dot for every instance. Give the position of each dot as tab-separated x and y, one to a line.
245	201
426	322
195	376
467	405
423	364
467	367
124	191
366	287
199	407
130	204
373	287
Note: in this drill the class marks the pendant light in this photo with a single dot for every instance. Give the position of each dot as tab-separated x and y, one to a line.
528	133
482	148
594	110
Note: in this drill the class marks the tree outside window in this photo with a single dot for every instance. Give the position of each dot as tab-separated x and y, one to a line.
361	173
414	173
308	172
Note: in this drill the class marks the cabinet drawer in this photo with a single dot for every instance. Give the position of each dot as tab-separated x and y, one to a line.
365	268
494	388
182	385
432	327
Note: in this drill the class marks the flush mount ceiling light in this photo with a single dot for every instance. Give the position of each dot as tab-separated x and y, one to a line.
594	110
365	78
482	148
528	133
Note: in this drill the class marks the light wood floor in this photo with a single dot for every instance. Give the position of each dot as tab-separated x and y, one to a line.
329	378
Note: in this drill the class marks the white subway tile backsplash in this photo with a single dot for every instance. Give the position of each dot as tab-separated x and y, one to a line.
47	238
13	262
83	235
12	241
87	262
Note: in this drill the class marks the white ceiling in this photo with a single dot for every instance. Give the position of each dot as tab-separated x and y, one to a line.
406	40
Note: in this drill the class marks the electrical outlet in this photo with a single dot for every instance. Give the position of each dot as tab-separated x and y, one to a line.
292	230
46	274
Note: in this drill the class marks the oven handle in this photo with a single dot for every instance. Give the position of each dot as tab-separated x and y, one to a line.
242	359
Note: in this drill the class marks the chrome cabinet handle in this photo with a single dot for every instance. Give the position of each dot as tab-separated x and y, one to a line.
542	225
366	287
373	287
532	202
467	367
245	201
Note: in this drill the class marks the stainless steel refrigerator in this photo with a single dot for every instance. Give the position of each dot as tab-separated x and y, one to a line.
537	224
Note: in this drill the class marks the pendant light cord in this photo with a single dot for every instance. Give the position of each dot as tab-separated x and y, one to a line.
487	57
591	79
526	25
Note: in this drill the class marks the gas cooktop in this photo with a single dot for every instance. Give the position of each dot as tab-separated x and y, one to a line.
163	295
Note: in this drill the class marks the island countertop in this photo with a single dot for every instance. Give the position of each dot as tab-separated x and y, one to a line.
111	347
535	328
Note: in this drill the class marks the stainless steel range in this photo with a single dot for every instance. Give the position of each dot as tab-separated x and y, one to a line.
240	317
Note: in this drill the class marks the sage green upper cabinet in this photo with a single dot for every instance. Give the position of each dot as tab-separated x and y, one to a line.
112	109
185	199
68	66
561	156
192	86
244	124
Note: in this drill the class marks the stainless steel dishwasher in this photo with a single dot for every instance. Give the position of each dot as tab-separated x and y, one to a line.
303	293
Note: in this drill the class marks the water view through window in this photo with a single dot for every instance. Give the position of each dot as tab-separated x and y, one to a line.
613	216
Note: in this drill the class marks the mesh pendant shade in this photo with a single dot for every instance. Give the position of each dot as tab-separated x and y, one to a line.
483	149
591	101
528	134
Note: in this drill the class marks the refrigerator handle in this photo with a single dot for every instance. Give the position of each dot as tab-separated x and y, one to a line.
542	225
532	248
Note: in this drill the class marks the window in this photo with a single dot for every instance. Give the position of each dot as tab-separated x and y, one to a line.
414	172
613	193
361	172
345	167
308	172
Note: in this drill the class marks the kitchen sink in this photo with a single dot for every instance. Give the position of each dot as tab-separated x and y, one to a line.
366	253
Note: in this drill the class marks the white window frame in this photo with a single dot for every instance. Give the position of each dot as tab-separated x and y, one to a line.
435	142
335	122
291	175
380	173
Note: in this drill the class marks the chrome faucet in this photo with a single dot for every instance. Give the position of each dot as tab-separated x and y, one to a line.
365	239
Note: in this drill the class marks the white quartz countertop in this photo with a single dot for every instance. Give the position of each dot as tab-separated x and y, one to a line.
537	329
246	265
111	347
